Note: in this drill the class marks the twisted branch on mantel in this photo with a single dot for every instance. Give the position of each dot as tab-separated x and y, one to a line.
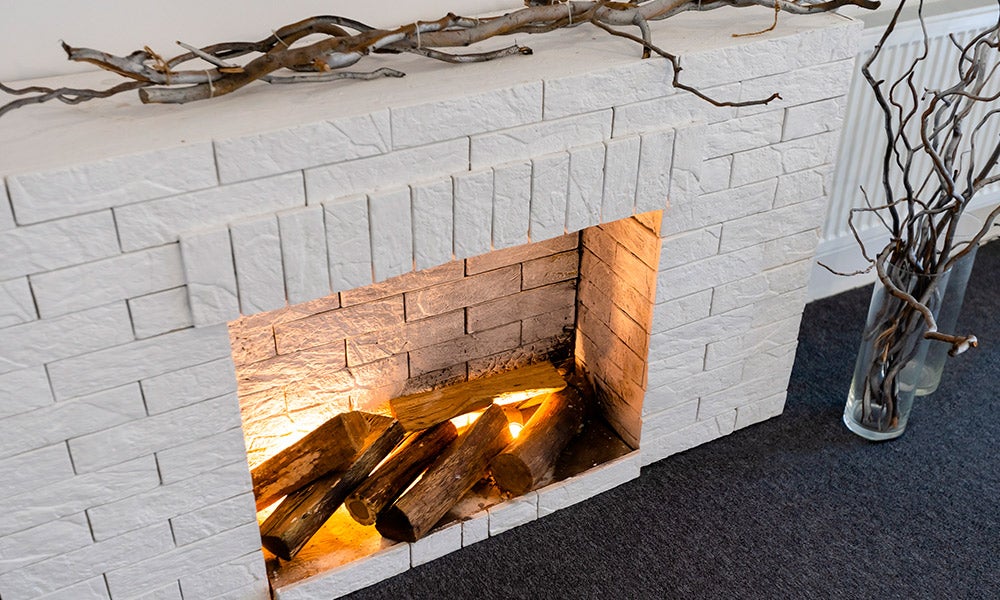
346	42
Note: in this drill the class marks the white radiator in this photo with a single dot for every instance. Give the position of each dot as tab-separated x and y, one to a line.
863	143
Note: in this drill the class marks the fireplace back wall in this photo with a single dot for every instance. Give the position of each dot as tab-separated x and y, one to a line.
121	449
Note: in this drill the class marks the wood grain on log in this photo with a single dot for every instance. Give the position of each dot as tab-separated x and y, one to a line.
525	463
302	513
330	447
456	470
420	411
390	480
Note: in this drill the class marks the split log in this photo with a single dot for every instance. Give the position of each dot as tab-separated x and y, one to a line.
444	483
330	447
398	472
420	411
533	454
302	513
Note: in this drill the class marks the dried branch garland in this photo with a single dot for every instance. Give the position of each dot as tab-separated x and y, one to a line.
345	42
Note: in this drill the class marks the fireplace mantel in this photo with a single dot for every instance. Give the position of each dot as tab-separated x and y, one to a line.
123	232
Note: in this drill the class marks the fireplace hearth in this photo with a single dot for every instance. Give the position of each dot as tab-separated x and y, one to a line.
187	290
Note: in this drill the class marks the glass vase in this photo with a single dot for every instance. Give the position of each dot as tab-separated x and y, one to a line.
947	319
890	359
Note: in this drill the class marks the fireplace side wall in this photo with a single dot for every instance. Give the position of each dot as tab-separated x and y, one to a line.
124	464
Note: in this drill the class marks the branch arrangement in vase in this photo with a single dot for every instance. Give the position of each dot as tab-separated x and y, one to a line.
278	59
936	159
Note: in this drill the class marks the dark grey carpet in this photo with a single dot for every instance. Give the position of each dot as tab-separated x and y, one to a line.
796	507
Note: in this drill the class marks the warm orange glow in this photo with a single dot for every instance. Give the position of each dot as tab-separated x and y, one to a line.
465	420
515	429
522	395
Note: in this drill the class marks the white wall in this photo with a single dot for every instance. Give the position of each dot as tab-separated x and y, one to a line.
30	30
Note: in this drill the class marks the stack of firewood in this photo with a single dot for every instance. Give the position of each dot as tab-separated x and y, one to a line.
402	474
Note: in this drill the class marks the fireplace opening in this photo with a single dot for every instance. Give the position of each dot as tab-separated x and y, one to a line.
547	340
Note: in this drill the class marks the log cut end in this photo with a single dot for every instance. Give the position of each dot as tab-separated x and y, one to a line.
512	474
276	546
395	525
359	511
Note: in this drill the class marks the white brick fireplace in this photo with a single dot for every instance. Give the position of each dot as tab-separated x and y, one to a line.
131	236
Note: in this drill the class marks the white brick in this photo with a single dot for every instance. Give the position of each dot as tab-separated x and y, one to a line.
433	212
109	280
112	182
169	500
745	393
255	591
549	183
760	411
348	240
391	217
661	423
655	156
710	272
586	187
476	528
66	569
675	110
698	333
145	436
245	571
160	313
687	438
171	591
701	384
57	422
789	249
257	255
621	172
303	146
142	576
351	577
813	119
473	212
786	157
34	469
466	115
800	86
799	187
39	342
44	541
776	363
6	212
715	174
210	276
57	244
686	168
757	340
512	513
538	139
688	213
588	484
756	165
202	455
760	286
436	544
70	496
386	171
189	385
596	90
772	225
91	589
746	133
16	304
113	367
667	315
688	247
161	221
303	254
24	390
214	519
511	204
668	368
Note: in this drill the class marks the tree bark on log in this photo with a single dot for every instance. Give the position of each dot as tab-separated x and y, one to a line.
302	513
444	483
330	447
420	411
525	463
390	480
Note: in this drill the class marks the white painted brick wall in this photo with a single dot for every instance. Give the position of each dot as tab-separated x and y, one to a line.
112	182
119	421
433	213
301	147
257	257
